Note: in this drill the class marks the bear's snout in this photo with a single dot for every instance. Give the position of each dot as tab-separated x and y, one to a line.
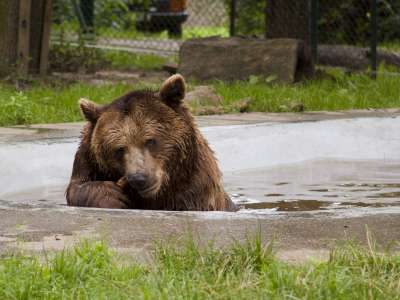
138	181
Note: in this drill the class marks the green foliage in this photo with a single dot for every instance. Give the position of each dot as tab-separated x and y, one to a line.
51	104
250	18
120	60
336	91
205	31
16	110
183	270
349	21
343	21
113	14
62	11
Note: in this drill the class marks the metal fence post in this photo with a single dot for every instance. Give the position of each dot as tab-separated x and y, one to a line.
374	38
314	13
232	18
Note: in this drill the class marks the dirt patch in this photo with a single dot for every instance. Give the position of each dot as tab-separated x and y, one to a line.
58	242
303	255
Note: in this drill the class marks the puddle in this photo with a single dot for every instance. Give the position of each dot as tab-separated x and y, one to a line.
320	190
312	205
295	205
256	189
386	195
317	185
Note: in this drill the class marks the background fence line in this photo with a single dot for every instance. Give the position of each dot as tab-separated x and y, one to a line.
365	27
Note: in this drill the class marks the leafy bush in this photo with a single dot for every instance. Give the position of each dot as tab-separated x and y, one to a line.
117	14
250	17
349	21
16	109
112	13
343	21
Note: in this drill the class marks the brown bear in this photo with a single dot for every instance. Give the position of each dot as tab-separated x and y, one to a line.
144	151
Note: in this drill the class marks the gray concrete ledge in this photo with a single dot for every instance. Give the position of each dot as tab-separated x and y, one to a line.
71	130
298	236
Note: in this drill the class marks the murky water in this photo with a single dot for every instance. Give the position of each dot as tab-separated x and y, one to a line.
327	165
318	185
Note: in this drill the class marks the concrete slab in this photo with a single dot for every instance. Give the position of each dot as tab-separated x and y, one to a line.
366	166
69	130
297	237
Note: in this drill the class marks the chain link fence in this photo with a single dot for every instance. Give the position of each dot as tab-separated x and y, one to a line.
140	26
353	34
358	34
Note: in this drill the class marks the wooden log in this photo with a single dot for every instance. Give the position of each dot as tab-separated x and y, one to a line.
24	37
237	58
352	57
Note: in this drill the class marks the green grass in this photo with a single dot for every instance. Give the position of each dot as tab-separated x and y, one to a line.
71	29
239	271
338	92
121	60
205	31
391	46
48	104
44	104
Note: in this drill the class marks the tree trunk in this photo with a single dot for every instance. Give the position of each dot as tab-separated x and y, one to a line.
36	34
287	19
9	22
8	35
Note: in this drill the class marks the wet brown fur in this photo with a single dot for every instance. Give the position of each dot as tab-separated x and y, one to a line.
191	179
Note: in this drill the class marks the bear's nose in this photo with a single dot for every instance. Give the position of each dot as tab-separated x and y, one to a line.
137	180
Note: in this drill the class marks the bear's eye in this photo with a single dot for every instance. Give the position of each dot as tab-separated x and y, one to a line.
150	144
119	152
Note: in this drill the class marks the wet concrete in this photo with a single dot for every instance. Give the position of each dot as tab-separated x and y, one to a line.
323	184
68	130
308	183
135	232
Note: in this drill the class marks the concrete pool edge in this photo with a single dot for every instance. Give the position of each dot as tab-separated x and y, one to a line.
297	234
297	237
71	130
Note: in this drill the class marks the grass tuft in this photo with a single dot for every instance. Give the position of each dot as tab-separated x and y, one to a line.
336	91
186	271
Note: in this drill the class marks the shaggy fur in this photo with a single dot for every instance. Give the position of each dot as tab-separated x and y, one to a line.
150	134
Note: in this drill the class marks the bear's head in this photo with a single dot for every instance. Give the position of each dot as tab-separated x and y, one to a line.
142	137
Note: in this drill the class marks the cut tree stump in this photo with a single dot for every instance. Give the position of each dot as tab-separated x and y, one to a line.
237	58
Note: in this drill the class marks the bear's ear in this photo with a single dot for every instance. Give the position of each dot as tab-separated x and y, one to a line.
90	110
173	90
